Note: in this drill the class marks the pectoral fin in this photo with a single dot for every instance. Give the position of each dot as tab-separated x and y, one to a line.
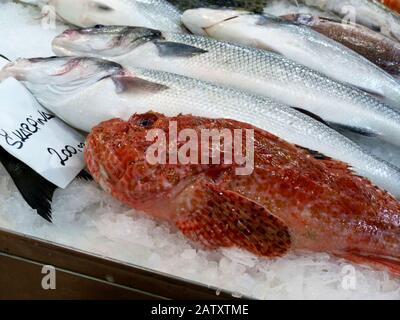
360	131
174	49
337	126
132	84
218	218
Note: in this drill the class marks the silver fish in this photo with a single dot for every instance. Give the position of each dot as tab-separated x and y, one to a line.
85	91
279	8
376	47
257	71
370	13
159	14
296	42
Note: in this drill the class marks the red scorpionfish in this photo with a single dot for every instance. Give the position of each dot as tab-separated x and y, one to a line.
294	199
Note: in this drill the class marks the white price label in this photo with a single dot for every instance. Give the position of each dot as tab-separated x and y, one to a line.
36	137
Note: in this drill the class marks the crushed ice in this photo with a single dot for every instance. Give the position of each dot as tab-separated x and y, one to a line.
88	219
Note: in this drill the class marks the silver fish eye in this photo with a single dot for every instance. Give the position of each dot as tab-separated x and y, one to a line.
103	7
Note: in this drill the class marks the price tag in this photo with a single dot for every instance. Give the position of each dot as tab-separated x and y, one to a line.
36	137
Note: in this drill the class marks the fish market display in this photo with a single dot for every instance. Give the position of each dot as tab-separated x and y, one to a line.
83	92
291	201
370	13
85	218
373	45
296	42
158	14
257	71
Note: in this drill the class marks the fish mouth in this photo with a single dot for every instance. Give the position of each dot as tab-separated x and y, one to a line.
102	41
60	70
15	69
63	44
62	47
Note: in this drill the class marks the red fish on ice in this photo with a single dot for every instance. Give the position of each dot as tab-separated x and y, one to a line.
294	199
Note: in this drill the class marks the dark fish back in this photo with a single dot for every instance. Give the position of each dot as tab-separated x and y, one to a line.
374	46
250	5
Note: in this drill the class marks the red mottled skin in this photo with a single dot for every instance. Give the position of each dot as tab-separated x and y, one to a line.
392	4
293	200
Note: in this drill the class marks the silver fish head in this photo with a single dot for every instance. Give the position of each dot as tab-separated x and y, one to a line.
199	20
102	41
144	13
60	70
84	13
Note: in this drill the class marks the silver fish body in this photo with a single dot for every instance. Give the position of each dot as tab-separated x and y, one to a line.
376	47
159	14
296	42
257	71
370	13
279	8
84	92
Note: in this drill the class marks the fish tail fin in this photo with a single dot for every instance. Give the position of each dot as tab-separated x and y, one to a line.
36	190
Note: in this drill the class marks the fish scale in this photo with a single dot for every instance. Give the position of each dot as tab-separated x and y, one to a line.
296	42
214	101
256	71
376	47
264	67
371	13
127	91
262	64
283	205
